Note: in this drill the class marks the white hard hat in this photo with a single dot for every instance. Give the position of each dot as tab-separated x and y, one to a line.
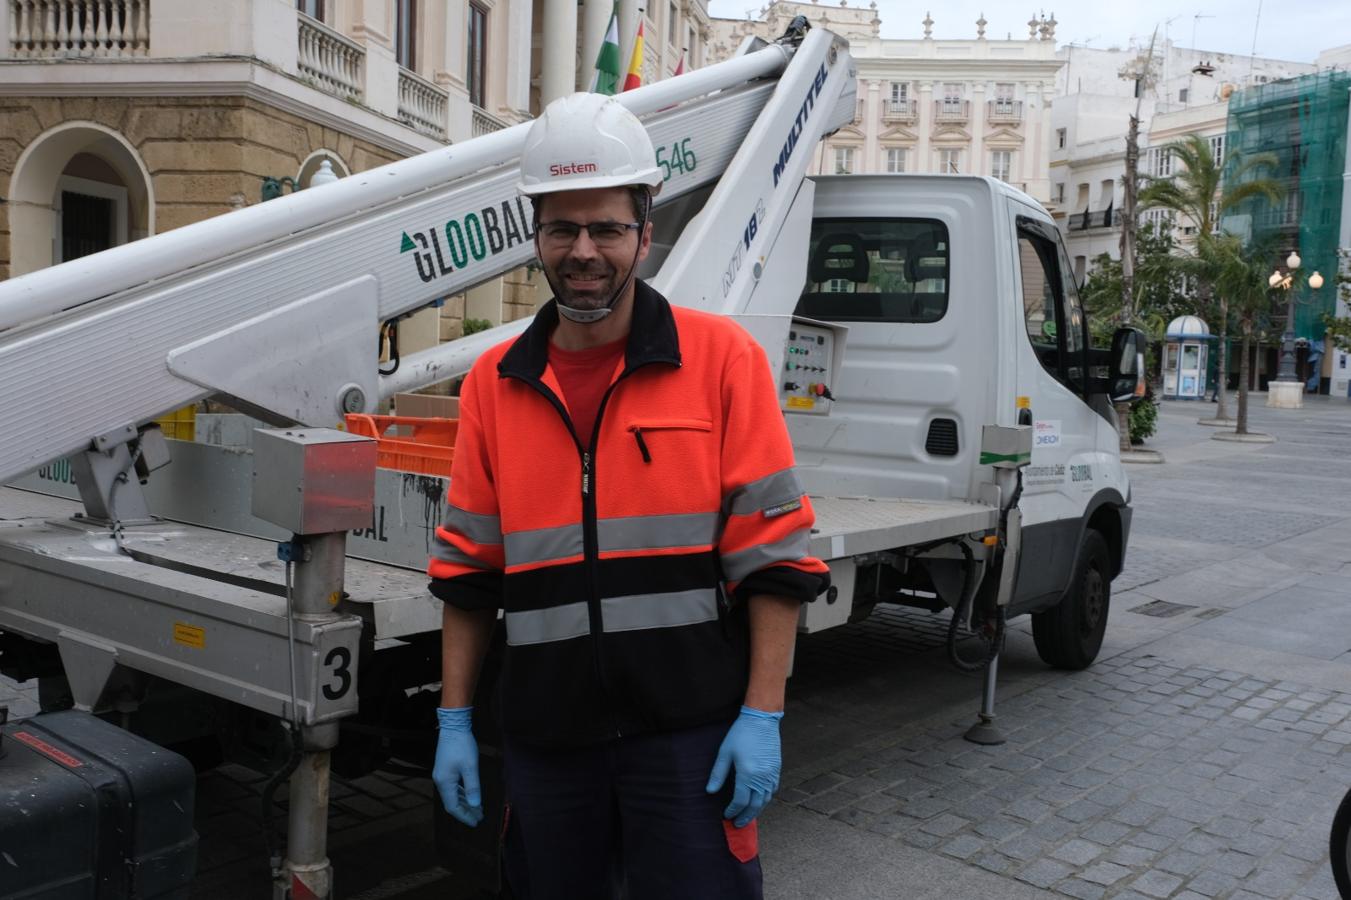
586	141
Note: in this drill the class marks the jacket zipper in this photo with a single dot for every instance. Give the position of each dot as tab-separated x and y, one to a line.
590	526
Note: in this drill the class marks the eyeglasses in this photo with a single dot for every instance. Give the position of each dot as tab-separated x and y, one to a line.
562	233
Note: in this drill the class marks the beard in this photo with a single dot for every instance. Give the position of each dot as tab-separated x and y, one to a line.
602	282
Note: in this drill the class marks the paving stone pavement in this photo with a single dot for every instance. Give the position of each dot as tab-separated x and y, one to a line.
1205	752
1201	756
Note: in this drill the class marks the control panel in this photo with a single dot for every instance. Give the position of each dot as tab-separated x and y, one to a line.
810	366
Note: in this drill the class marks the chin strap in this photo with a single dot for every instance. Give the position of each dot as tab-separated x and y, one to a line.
592	316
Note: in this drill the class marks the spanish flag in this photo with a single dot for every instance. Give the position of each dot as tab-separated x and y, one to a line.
635	77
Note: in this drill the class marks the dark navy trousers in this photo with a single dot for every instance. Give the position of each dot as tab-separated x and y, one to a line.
626	819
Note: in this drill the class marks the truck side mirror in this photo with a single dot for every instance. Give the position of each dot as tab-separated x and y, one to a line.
1126	380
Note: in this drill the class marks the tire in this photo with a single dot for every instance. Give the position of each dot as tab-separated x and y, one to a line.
1069	634
1340	846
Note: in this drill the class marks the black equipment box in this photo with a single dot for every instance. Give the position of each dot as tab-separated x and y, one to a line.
88	810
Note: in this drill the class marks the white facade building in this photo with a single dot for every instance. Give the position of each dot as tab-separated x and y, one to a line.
1095	98
979	107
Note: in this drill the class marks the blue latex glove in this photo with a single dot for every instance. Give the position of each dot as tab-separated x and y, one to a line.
455	771
752	748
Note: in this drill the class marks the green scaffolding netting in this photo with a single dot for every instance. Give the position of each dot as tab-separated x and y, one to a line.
1303	123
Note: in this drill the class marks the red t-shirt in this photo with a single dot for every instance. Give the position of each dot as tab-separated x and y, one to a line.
584	376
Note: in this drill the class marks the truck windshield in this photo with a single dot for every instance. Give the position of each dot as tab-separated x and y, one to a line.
876	270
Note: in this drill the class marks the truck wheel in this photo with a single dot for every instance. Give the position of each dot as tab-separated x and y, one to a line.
1341	846
1069	634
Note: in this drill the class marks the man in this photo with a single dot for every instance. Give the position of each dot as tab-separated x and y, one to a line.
623	489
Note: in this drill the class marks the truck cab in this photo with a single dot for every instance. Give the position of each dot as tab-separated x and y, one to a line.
962	312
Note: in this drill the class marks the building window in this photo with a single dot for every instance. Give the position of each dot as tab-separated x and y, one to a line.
1161	219
949	161
1217	149
1001	164
844	160
478	54
1003	98
895	159
1215	217
952	97
1159	162
1060	192
1182	95
900	96
1060	138
312	8
671	14
405	33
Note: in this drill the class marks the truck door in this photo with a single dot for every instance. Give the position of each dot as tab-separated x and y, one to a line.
1052	396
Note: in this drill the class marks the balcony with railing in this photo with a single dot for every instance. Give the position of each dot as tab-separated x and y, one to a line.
950	111
1086	220
422	105
485	122
900	111
1004	112
328	59
75	29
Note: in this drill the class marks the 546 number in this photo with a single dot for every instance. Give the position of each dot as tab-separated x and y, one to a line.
676	158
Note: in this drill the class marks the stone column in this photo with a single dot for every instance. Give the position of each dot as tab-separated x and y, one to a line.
558	66
872	127
980	159
595	18
926	124
1038	129
518	67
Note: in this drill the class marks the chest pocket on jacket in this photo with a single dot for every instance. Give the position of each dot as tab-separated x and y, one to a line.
679	457
687	439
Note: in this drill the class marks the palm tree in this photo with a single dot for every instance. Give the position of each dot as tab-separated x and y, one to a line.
1239	272
1203	190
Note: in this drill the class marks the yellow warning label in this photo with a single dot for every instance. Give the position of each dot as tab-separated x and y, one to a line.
189	635
334	597
801	403
1024	402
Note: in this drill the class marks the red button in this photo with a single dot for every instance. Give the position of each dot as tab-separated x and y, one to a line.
819	388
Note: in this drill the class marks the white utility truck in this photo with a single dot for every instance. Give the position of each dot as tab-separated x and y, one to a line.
949	417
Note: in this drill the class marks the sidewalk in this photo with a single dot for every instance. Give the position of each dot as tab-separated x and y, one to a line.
1201	756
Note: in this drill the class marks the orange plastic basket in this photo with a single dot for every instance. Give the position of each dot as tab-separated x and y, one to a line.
427	445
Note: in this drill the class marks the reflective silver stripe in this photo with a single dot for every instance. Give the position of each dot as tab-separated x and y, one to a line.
772	490
448	552
737	566
652	532
540	626
477	527
543	544
636	612
640	611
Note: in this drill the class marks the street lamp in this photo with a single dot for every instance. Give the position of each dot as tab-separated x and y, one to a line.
1285	281
272	187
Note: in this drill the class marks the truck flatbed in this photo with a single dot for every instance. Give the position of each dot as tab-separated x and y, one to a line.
850	526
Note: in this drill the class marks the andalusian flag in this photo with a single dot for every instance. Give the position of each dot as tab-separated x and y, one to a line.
635	76
606	79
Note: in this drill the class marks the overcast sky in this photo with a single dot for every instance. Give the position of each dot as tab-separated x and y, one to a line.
1289	29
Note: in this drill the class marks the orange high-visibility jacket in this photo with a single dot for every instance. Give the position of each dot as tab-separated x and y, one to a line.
622	558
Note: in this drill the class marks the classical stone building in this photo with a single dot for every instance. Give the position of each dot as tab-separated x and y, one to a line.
978	107
121	119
